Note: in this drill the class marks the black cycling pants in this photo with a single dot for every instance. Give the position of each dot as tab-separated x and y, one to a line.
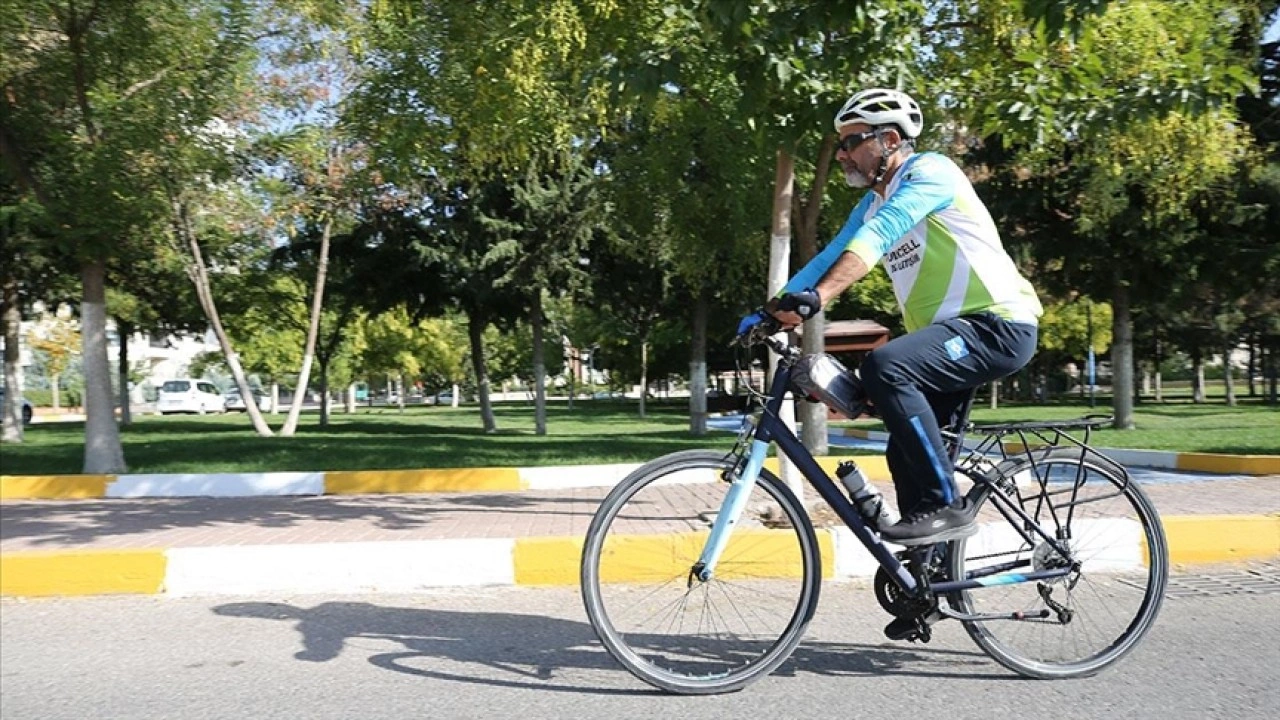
918	381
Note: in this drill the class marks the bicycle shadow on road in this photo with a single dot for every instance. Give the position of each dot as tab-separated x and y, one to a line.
537	652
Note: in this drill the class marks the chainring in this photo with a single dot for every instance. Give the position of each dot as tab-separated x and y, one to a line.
894	600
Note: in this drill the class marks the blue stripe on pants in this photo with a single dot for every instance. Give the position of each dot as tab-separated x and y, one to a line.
943	480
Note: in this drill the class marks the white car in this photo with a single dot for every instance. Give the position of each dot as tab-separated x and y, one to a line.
235	403
27	410
185	395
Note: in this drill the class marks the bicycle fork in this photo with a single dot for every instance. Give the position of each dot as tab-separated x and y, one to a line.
730	511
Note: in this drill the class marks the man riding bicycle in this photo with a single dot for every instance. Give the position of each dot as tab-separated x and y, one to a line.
970	315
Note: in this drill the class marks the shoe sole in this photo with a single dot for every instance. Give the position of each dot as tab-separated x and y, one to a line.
945	535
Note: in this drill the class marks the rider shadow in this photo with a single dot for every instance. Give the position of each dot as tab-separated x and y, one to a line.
527	651
530	649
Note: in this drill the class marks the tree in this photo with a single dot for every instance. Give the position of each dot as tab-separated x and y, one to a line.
1108	130
31	269
60	342
541	231
316	164
399	346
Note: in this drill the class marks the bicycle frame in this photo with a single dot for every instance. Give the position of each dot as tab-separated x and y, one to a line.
771	429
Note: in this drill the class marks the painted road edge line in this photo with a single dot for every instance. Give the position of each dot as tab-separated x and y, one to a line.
410	565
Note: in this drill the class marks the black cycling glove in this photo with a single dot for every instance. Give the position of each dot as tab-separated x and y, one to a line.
805	303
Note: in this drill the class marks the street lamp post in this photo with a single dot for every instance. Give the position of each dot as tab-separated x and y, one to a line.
1088	319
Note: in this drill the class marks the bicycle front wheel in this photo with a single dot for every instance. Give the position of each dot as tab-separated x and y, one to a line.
1077	624
645	601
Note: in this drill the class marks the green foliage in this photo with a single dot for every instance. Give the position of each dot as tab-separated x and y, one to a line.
1068	326
394	344
871	298
58	340
509	353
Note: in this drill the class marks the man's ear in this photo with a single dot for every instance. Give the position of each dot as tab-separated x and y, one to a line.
891	138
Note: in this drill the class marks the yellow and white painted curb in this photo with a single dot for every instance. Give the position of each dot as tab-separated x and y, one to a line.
408	566
75	487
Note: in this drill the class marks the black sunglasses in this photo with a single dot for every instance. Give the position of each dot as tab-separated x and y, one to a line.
849	143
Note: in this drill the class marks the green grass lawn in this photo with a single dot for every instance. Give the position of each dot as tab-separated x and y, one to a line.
600	431
1248	429
595	431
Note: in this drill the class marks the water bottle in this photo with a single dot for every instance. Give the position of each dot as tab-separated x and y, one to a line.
865	496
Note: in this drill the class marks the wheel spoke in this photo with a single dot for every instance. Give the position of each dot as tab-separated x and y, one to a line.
716	635
1115	596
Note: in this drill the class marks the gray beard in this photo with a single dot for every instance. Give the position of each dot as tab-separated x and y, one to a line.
855	179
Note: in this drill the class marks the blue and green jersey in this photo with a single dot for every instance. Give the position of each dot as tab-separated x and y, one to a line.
938	243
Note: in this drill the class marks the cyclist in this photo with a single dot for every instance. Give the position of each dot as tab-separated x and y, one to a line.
970	316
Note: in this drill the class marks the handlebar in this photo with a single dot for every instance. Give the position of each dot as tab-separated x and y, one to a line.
765	332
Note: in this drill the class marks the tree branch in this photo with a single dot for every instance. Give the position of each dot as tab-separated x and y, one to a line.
144	84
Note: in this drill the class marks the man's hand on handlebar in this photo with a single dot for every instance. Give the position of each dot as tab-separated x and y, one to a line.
757	324
793	309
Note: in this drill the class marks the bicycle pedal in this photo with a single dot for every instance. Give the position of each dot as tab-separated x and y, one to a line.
913	628
904	629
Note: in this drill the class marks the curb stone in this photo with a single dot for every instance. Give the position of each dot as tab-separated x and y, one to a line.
407	566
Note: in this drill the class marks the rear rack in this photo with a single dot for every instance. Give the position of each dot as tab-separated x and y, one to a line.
1033	440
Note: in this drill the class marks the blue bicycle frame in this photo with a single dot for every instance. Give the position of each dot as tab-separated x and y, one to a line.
771	429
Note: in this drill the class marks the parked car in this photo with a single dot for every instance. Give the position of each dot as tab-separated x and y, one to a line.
235	403
27	410
189	396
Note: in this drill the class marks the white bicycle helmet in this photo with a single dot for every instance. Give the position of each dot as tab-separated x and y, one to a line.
877	107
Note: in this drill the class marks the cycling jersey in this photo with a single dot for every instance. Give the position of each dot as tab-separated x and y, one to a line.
938	243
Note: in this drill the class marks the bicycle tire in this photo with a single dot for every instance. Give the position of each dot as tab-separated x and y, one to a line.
639	592
1113	530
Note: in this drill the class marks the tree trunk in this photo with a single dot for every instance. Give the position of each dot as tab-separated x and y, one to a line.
1197	376
644	371
349	399
1228	382
995	394
539	367
475	331
124	330
103	453
275	398
313	331
698	367
199	275
779	268
1271	372
575	362
1121	357
12	322
1159	380
1253	363
813	416
324	394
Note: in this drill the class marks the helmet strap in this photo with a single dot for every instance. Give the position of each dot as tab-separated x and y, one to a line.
884	157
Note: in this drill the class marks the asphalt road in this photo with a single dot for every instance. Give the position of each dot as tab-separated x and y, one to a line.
528	654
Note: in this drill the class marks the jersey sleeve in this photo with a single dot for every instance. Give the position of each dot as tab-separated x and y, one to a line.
812	272
926	188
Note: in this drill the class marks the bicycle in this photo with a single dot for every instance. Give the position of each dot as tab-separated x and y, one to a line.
701	569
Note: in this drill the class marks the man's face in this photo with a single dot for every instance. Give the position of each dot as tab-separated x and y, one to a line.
858	154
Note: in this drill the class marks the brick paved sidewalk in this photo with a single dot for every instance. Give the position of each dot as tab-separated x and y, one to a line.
204	522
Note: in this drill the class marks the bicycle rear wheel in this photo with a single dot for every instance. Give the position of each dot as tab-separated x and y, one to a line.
671	629
1095	614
